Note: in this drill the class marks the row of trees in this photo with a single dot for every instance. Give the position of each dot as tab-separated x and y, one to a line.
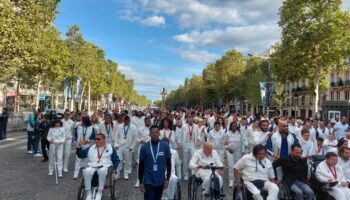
315	41
32	52
232	77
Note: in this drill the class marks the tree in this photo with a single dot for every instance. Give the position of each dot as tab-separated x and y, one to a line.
315	41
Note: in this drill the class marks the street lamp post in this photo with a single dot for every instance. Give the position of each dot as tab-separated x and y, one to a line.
163	93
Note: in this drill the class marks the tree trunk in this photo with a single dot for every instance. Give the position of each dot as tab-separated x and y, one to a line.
317	82
81	97
18	96
72	99
37	95
89	97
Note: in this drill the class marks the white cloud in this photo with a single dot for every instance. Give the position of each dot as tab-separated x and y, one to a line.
198	56
259	37
148	85
153	21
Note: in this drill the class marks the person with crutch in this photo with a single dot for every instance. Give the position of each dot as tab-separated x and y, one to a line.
56	137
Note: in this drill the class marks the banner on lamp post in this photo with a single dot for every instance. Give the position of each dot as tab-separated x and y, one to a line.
266	91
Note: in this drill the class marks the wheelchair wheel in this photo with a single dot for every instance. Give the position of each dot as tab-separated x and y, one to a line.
82	191
177	195
284	192
239	193
192	188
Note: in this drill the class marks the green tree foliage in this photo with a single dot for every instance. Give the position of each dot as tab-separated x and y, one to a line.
32	52
231	77
315	41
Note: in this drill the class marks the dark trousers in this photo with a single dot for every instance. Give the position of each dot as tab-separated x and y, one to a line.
30	141
153	193
2	134
4	131
36	143
45	145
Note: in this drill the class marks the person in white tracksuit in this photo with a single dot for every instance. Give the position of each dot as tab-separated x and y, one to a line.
233	142
56	137
68	126
142	138
100	157
203	134
95	122
86	135
108	128
261	136
189	133
166	131
329	171
216	138
200	161
258	173
175	173
124	142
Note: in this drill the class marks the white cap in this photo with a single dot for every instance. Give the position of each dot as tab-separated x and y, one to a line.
333	121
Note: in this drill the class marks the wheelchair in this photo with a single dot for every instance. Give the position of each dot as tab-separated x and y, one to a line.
285	192
215	192
240	192
110	186
317	186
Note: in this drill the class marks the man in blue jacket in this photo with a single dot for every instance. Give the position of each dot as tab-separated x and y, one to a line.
155	160
100	157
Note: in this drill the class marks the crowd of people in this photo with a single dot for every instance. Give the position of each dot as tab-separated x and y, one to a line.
171	146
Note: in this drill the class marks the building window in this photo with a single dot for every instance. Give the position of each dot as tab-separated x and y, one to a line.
332	96
347	97
10	84
338	96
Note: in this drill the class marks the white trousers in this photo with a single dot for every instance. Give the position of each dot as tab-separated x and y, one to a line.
125	156
67	152
270	187
170	191
56	152
340	193
78	164
188	152
89	172
232	158
221	153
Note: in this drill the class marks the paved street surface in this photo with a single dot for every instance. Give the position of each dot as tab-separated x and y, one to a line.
23	177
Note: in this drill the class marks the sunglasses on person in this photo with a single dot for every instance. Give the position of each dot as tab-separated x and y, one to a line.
98	139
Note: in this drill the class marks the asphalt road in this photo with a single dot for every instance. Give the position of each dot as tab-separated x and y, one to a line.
24	177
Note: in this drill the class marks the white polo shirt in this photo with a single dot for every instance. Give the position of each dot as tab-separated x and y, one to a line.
253	170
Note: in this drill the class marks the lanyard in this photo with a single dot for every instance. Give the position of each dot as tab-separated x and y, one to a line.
108	129
99	156
84	132
190	130
334	172
154	157
126	132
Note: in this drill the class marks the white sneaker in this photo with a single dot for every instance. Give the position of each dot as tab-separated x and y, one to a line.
75	176
186	178
37	155
137	184
29	152
89	195
126	176
50	173
231	184
65	170
98	195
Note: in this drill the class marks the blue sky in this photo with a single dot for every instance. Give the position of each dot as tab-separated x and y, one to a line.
159	43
